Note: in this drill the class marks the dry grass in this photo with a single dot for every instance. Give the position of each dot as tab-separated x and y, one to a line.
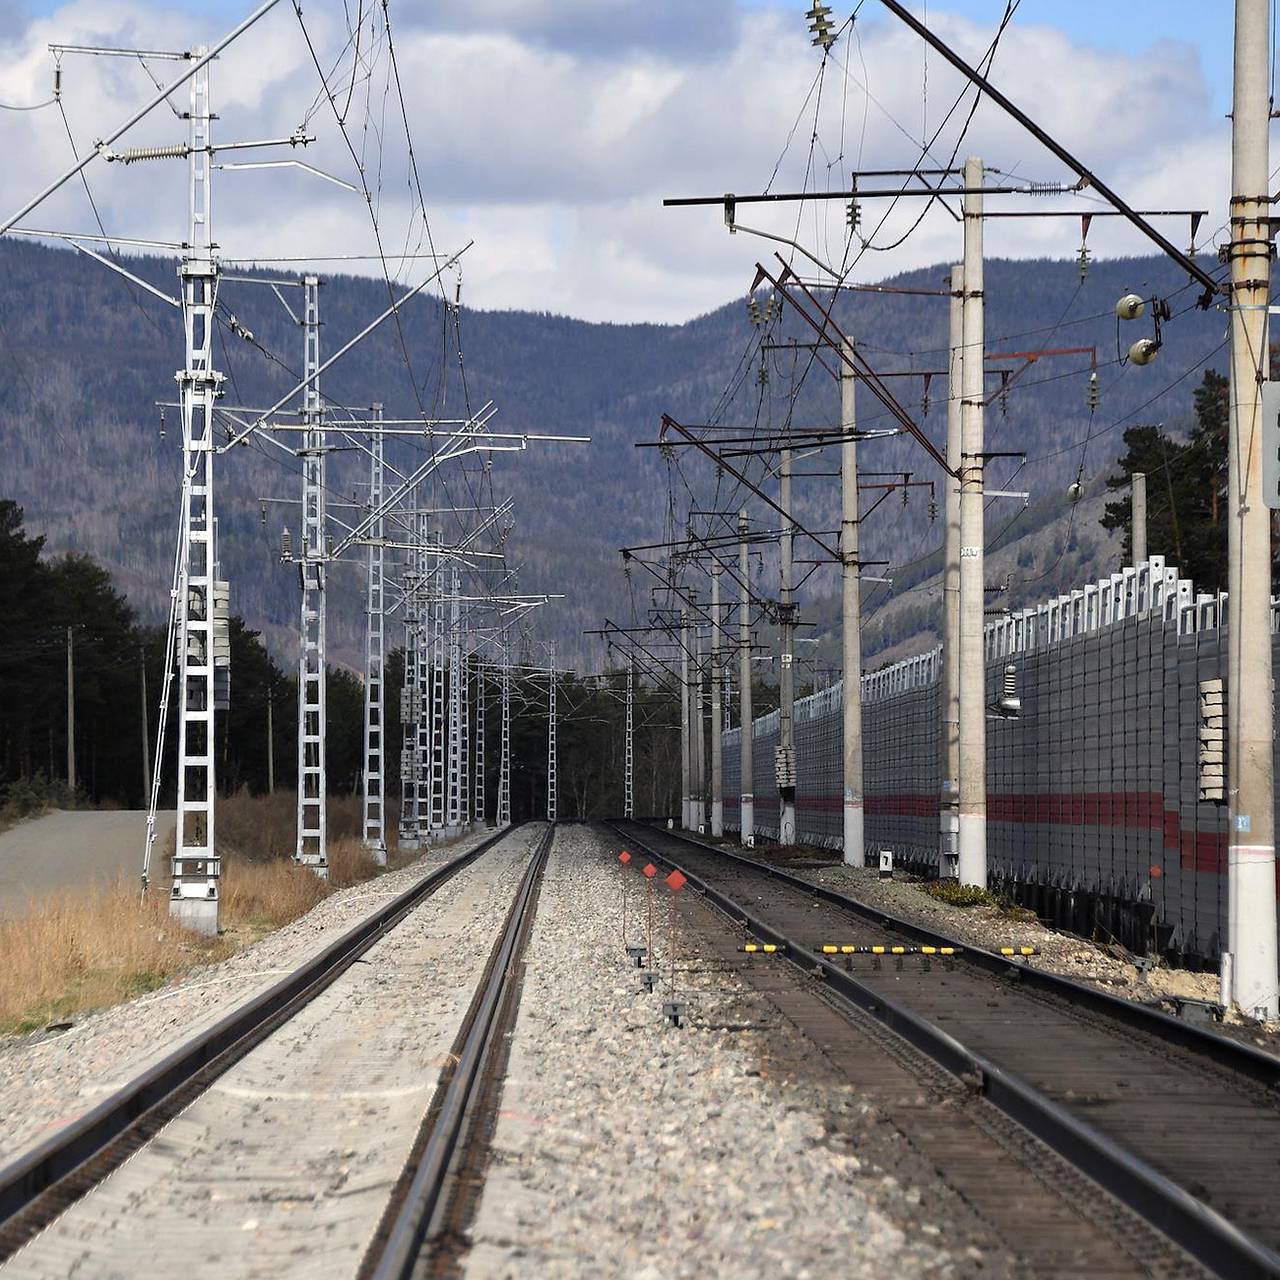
71	953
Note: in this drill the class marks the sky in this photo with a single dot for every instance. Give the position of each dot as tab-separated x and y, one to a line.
548	132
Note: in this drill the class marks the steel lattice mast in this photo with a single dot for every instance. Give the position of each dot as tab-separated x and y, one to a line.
552	781
374	657
479	771
454	814
428	765
196	866
628	803
503	816
312	845
439	770
411	701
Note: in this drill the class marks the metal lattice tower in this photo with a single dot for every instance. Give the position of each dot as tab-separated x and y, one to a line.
551	738
422	721
464	739
439	764
411	701
479	775
312	846
374	657
628	803
504	764
196	866
455	815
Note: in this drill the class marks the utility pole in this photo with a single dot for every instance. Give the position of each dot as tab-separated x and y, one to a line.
271	740
717	717
686	742
1249	976
973	700
374	656
312	846
785	759
196	867
504	764
71	712
1138	531
628	799
464	736
747	783
949	806
146	727
552	780
851	625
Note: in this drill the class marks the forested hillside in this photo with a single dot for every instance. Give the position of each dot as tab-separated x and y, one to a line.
82	364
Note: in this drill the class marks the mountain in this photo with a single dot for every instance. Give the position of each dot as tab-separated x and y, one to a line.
84	357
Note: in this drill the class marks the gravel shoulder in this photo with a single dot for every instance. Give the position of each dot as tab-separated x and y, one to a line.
283	1166
628	1148
48	1080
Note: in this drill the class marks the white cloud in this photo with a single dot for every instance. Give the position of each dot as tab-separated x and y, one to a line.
549	130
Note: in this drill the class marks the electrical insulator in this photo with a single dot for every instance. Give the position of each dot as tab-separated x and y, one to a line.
853	215
762	377
773	309
286	545
1082	261
1094	394
263	507
1143	351
933	509
753	310
162	422
819	16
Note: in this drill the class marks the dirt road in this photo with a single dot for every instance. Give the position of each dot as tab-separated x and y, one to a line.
65	848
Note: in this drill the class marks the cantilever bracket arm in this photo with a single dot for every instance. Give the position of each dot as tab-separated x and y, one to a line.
1086	176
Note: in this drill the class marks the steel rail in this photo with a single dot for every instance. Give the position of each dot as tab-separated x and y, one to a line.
427	1195
1204	1233
147	1101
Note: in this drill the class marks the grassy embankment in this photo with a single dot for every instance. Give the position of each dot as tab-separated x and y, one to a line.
72	952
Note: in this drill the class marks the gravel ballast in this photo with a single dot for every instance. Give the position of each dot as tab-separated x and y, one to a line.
626	1147
48	1079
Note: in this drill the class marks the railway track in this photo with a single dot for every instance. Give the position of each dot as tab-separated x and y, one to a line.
430	1203
1179	1124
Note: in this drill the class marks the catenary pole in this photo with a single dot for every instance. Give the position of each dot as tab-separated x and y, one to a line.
552	744
628	798
949	801
1250	979
271	740
374	658
851	619
312	836
717	715
1138	534
973	710
785	763
686	799
196	867
746	753
71	711
699	735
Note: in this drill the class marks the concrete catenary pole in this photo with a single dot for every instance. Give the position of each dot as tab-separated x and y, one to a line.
747	793
686	800
71	710
1138	532
1250	972
785	764
949	801
851	619
717	717
698	723
973	694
